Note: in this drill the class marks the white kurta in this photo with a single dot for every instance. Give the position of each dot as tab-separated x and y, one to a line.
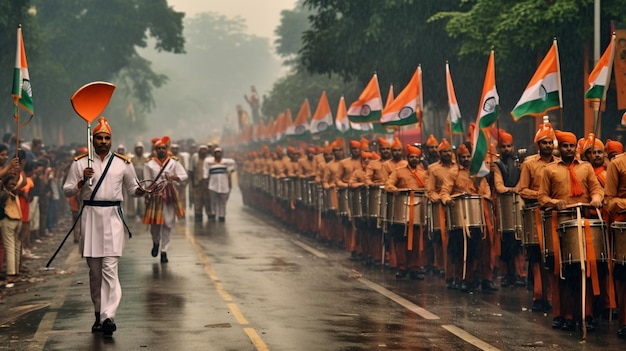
152	168
102	228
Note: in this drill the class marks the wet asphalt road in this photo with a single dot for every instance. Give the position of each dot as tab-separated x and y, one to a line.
251	284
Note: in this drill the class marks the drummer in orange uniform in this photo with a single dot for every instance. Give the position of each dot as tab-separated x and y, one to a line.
613	148
593	148
615	190
528	187
459	182
409	248
357	181
437	173
567	182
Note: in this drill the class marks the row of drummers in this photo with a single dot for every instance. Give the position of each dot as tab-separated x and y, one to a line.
426	210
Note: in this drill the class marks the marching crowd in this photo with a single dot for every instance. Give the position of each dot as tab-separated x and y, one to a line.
552	221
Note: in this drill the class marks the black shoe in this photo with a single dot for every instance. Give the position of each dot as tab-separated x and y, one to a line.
108	327
222	219
155	249
557	323
547	306
504	282
416	276
488	285
450	284
211	218
466	286
568	325
538	306
589	325
197	218
400	274
621	332
353	256
520	282
164	257
96	327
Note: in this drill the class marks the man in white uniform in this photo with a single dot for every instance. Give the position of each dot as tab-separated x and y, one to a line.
102	225
165	206
218	171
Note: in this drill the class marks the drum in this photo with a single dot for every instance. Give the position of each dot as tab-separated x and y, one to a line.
374	200
289	189
466	212
618	242
510	212
354	198
343	203
434	217
308	194
330	196
401	207
298	188
570	245
529	220
562	216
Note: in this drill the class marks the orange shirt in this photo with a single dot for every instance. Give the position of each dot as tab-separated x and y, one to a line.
459	181
376	173
407	178
530	176
437	173
555	184
615	188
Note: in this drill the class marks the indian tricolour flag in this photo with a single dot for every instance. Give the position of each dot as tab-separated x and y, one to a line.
369	106
456	124
342	123
22	91
300	127
322	118
390	96
488	113
600	77
543	92
406	108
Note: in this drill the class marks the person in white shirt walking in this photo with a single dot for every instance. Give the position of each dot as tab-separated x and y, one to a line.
218	171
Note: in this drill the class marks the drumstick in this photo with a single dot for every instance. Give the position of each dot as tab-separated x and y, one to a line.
581	249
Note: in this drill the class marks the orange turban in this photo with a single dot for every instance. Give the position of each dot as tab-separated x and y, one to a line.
355	144
102	126
396	144
291	149
375	156
444	145
565	137
614	146
338	143
505	138
462	150
545	131
154	140
366	154
311	150
431	141
279	149
163	141
365	144
590	139
413	150
383	143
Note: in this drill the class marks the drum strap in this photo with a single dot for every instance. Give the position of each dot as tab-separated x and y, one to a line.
411	221
612	302
592	264
537	215
488	220
555	243
444	234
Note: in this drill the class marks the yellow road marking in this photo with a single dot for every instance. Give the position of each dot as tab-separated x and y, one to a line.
256	339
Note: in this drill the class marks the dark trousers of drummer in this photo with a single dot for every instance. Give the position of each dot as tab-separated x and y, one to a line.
512	257
457	254
407	260
619	273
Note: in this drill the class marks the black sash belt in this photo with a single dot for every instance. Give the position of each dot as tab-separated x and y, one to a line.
97	203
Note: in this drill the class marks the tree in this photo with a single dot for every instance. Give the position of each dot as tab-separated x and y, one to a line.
78	41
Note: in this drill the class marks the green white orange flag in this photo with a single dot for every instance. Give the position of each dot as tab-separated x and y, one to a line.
456	124
322	118
300	127
406	108
369	106
600	77
22	91
390	96
543	92
488	113
342	123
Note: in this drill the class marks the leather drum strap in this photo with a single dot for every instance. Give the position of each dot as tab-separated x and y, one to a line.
592	264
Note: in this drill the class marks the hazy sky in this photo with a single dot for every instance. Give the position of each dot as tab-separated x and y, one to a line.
262	16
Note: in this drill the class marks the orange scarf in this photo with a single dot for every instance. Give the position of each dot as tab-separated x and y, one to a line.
575	188
599	171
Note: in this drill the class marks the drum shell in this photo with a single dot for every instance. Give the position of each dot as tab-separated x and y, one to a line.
565	215
618	242
343	204
510	212
375	197
355	196
310	195
530	236
298	189
289	189
568	240
401	209
434	216
469	207
329	197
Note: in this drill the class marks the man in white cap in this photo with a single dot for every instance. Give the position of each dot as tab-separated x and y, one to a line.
218	171
199	187
138	160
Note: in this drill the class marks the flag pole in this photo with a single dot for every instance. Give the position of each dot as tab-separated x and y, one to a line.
17	128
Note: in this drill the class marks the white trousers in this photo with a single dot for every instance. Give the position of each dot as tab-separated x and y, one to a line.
104	284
